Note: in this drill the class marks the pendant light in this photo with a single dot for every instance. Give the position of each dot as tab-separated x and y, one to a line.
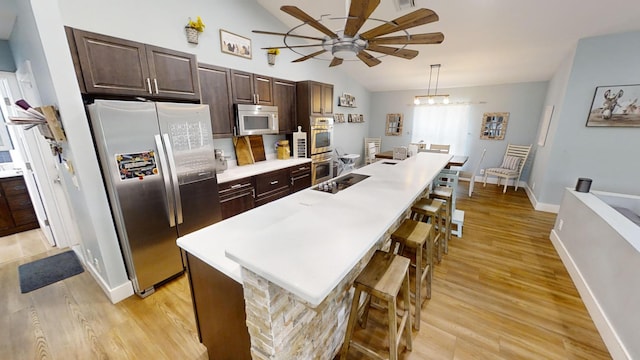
431	99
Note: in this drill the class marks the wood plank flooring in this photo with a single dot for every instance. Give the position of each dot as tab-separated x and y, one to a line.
501	293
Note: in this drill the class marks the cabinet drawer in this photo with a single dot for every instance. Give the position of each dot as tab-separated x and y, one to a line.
229	189
275	195
24	216
20	201
14	187
300	170
272	181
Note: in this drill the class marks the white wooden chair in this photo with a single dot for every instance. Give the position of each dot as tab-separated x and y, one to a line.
441	148
512	164
475	171
369	151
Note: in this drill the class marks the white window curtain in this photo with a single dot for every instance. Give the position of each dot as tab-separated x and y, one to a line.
444	124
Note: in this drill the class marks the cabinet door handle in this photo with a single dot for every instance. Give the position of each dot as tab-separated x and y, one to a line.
257	98
149	85
236	186
274	182
253	193
155	83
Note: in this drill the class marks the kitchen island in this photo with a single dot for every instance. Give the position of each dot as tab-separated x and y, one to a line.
294	261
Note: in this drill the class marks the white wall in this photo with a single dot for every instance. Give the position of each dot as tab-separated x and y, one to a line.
39	37
523	101
607	155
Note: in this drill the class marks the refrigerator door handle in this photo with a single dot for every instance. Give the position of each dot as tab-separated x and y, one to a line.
174	177
167	181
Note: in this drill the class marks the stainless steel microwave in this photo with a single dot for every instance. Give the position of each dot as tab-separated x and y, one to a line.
256	119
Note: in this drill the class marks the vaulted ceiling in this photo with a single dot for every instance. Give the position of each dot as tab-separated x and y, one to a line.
486	41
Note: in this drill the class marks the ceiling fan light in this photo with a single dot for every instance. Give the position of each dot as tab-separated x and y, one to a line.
346	51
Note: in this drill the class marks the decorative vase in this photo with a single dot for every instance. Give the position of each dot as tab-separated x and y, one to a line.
192	35
271	59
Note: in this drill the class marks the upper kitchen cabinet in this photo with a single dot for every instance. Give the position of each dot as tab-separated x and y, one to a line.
215	90
248	88
113	66
314	99
284	97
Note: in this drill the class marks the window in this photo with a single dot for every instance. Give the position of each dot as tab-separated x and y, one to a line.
447	124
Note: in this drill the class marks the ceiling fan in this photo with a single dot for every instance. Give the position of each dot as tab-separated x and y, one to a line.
349	44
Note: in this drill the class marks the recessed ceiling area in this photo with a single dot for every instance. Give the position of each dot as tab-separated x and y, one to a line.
487	42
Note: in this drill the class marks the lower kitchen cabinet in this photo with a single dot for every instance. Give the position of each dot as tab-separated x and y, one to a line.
236	197
218	303
244	194
300	177
272	186
16	209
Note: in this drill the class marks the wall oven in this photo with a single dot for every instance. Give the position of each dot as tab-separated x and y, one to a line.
321	167
321	135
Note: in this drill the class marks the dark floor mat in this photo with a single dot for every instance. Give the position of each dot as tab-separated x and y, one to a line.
49	270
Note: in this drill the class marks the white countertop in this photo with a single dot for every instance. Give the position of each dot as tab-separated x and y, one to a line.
307	242
239	172
10	173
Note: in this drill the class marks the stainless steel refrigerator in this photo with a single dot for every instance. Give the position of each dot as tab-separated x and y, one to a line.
158	164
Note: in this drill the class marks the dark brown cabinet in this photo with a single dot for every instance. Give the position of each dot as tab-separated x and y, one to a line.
16	209
114	66
284	97
314	99
272	186
215	90
248	88
236	197
300	177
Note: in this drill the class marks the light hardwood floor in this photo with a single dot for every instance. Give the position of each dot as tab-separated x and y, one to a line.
501	293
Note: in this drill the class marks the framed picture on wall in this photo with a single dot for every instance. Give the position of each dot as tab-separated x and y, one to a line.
233	44
615	106
494	125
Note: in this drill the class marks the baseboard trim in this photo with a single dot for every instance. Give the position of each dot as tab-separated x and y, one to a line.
612	341
552	208
116	294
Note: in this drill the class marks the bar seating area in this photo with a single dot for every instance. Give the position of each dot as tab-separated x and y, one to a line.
421	240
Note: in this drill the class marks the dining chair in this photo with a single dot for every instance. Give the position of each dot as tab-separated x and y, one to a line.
440	147
512	164
370	152
475	171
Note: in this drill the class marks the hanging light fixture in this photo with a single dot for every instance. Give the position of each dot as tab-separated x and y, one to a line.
432	99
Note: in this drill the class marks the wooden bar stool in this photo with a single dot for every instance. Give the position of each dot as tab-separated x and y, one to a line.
433	211
417	235
383	277
446	194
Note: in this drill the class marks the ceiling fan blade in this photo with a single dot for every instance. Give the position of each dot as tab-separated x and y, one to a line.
412	19
359	12
429	38
290	46
402	53
287	35
310	56
335	62
303	16
368	58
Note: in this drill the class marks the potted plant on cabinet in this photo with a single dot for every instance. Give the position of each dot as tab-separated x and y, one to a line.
193	29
